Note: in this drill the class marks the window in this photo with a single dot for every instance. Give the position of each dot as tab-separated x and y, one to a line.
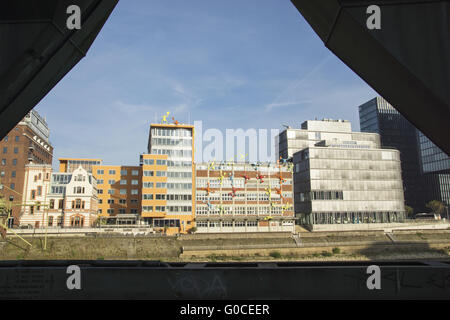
33	194
6	139
76	221
13	174
100	181
5	150
39	190
78	204
17	139
148	173
160	196
147	208
100	201
134	211
110	201
3	162
14	162
110	211
148	196
135	172
100	191
111	181
133	201
16	150
122	201
123	191
147	184
2	174
123	172
100	172
134	182
111	191
60	204
134	191
122	211
112	172
50	220
123	182
149	161
78	190
12	186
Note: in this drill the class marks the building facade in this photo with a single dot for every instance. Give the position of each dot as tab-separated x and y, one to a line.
243	197
425	167
378	116
119	193
71	164
435	168
27	143
341	176
58	199
168	178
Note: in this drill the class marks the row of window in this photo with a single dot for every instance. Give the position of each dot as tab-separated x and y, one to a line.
321	195
241	196
121	201
159	162
123	172
150	196
4	162
174	153
122	182
121	211
16	150
183	186
179	132
171	142
153	208
16	139
238	210
150	173
217	224
121	191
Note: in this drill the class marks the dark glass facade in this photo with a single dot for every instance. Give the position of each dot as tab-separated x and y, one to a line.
378	116
435	166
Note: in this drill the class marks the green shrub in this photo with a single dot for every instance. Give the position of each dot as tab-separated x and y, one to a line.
336	250
275	254
326	254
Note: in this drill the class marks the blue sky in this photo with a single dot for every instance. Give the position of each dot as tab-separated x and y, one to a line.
232	64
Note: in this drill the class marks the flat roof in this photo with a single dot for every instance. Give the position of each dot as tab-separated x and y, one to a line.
79	159
172	125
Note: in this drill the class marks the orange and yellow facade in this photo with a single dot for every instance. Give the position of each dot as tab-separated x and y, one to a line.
168	179
119	190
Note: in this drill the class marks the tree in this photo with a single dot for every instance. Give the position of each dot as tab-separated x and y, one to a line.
436	206
409	211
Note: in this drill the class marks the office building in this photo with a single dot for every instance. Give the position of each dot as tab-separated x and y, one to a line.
435	168
425	168
27	143
243	197
119	193
341	176
168	178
